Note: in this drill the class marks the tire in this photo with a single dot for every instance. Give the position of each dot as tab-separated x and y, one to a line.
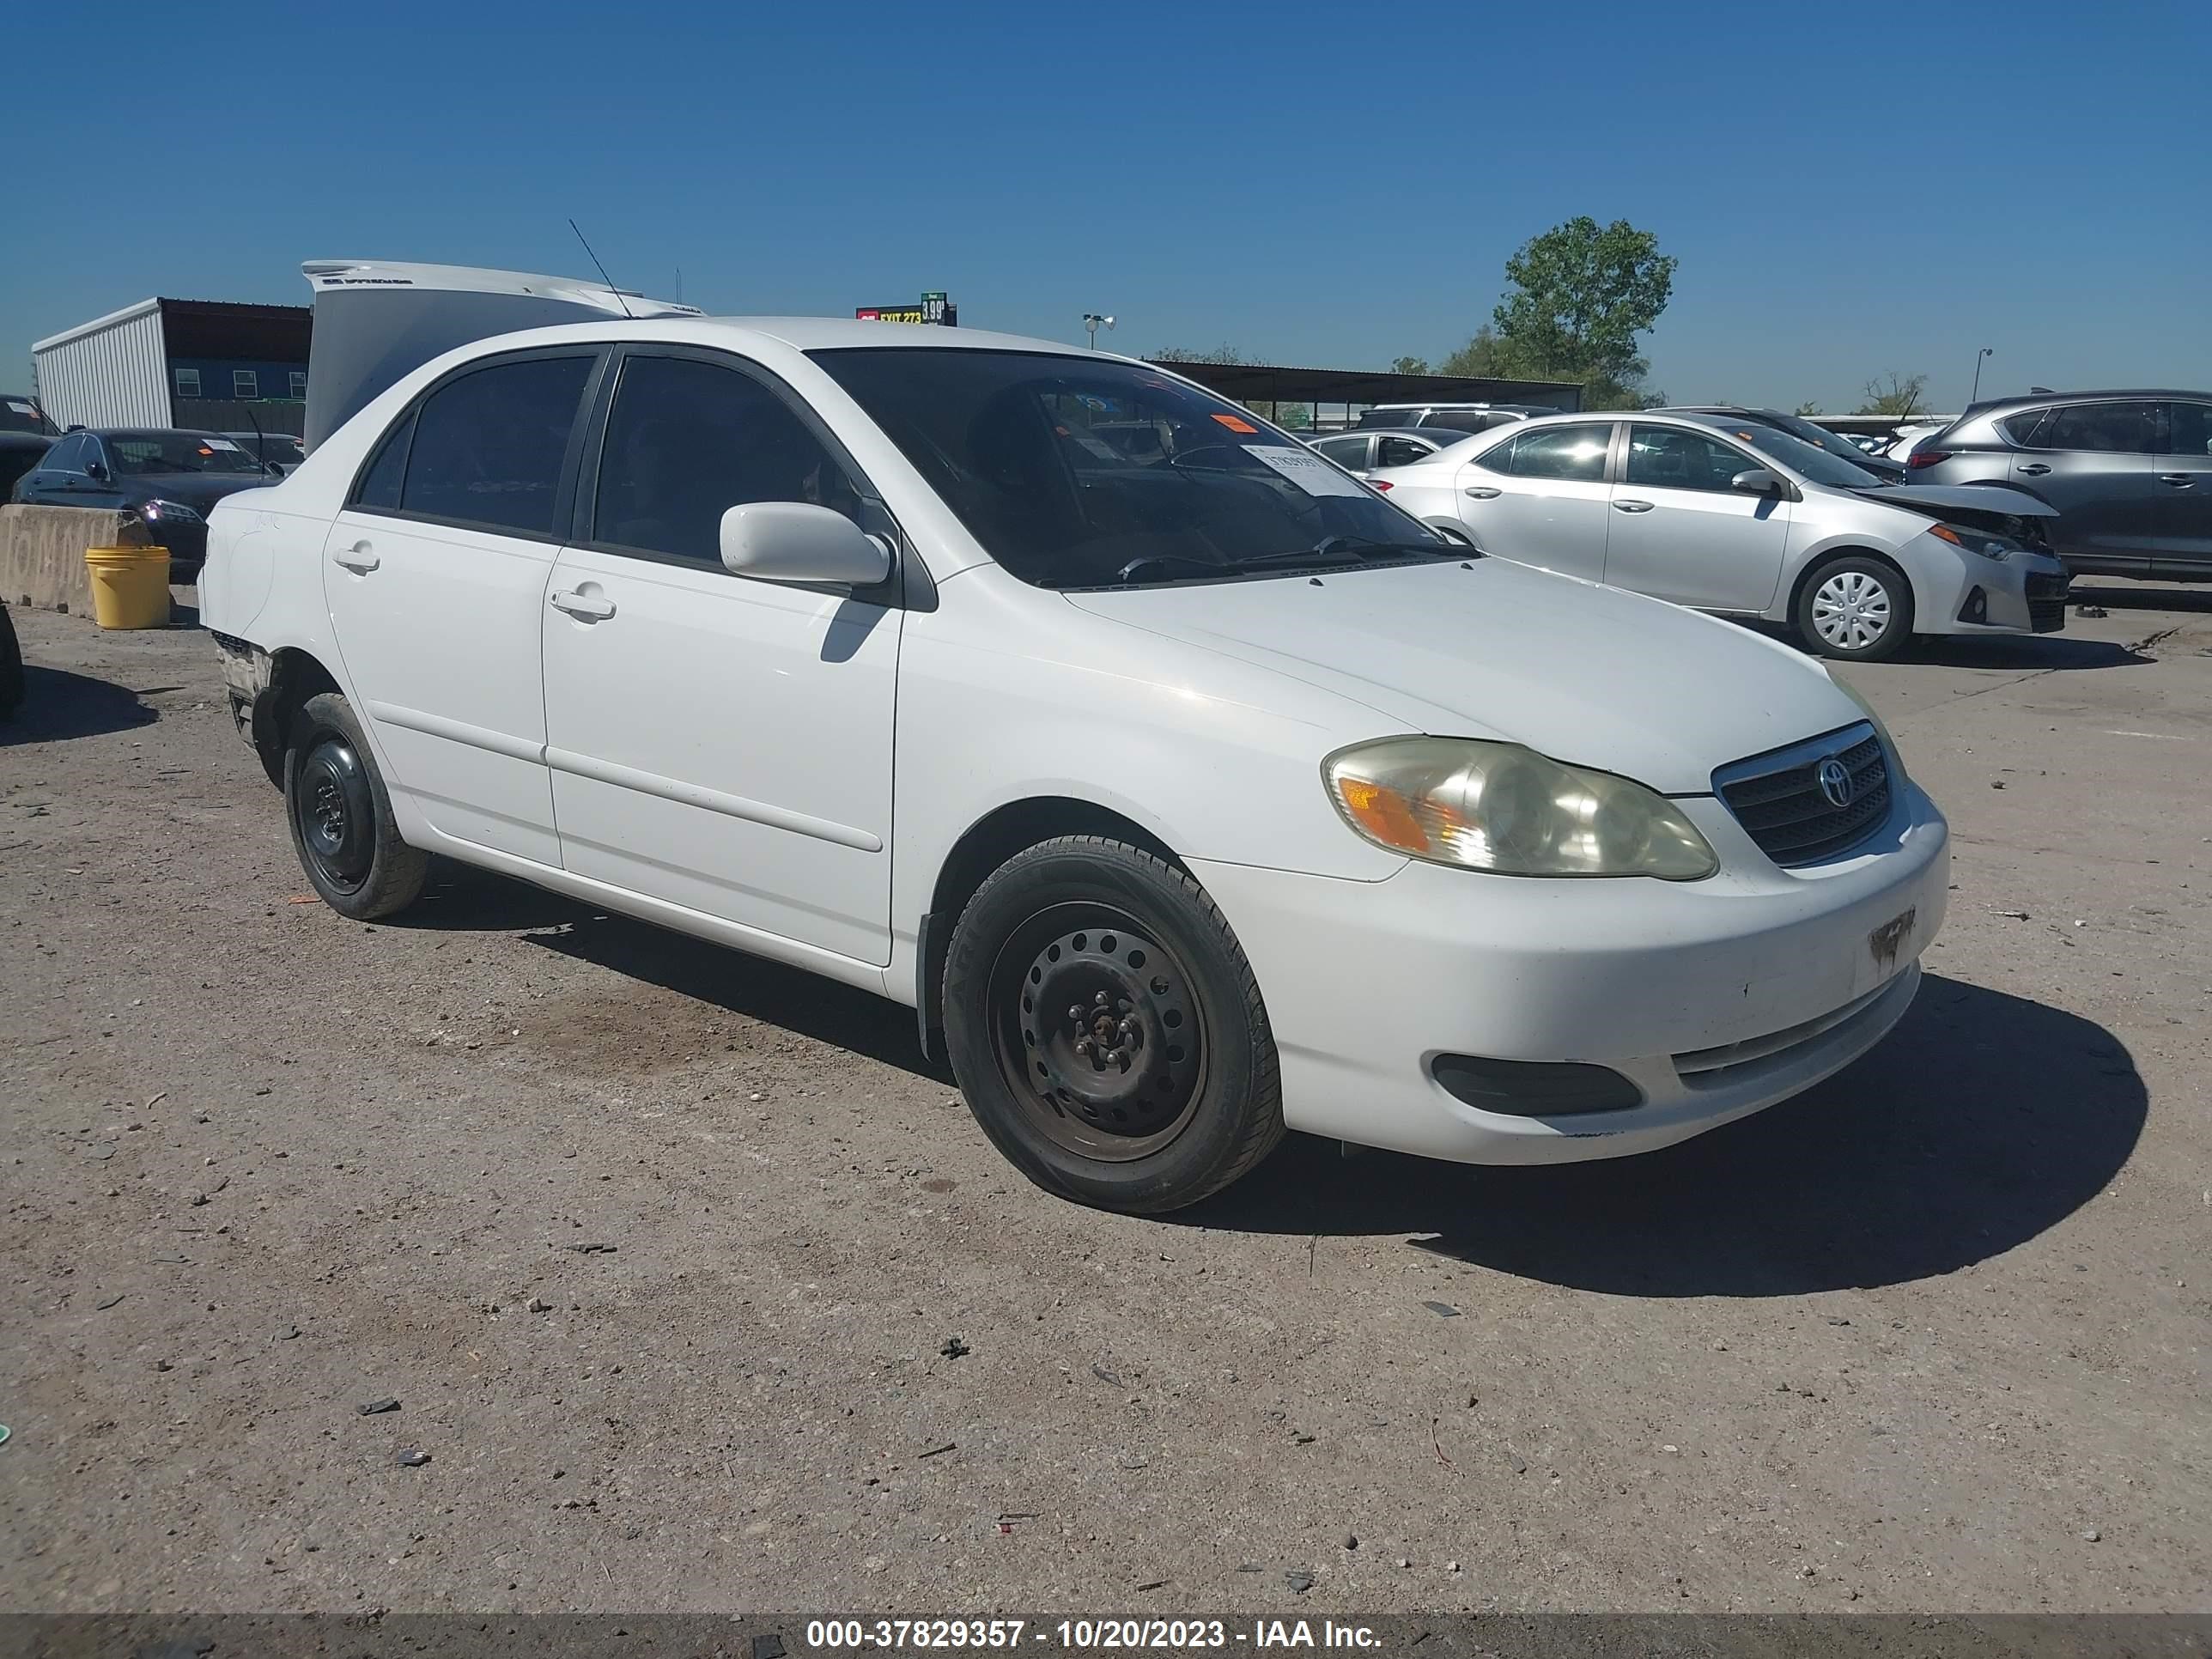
340	817
1841	601
1087	941
11	667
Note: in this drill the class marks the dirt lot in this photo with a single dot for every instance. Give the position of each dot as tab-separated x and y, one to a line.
1932	1337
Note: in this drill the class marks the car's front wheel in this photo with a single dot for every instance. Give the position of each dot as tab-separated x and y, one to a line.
1107	1031
1856	608
340	817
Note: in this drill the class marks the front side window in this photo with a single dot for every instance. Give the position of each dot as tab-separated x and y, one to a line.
1572	453
1673	458
1402	451
488	448
2115	428
1351	450
686	441
67	456
245	383
188	383
1074	472
1802	459
2188	429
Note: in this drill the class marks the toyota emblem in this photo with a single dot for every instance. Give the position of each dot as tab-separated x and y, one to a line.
1835	780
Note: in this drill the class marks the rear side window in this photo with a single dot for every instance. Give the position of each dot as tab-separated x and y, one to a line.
1461	420
1403	452
2116	429
2188	429
1391	417
2024	428
687	441
1573	452
488	448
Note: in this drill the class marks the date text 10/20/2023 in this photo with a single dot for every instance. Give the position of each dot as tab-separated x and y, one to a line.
1086	1634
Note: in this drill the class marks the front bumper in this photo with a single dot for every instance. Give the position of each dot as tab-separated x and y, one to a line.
2023	594
186	542
1715	998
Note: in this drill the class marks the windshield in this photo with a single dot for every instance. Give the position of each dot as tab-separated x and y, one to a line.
21	414
1076	473
1816	466
179	451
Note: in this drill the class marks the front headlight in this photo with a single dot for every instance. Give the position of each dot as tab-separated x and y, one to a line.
1500	807
1976	541
168	511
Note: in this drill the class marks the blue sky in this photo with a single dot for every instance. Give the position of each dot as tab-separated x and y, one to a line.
1851	189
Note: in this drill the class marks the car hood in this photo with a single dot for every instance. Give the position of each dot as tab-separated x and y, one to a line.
1586	674
1936	500
198	490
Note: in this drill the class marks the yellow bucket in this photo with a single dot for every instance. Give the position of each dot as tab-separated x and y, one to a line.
130	586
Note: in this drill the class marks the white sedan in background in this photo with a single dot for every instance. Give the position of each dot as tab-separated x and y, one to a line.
1742	519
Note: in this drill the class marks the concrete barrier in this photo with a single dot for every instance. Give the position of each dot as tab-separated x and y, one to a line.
42	553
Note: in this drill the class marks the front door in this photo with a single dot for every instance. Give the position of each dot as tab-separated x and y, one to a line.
435	576
2096	464
720	743
2184	494
1681	532
1540	498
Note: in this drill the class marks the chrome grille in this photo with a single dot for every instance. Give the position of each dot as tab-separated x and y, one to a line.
1778	800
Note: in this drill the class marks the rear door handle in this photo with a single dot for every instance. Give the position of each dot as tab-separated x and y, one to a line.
2034	469
1632	507
360	558
584	607
2179	480
1484	493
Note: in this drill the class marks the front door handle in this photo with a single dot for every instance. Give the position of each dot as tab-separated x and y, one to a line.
2034	469
1632	507
1484	493
584	607
2179	480
360	558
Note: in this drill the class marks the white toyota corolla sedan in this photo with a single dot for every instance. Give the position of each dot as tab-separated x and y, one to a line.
1188	789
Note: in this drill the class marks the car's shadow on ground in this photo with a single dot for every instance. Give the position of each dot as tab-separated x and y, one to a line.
460	899
59	706
2031	652
1984	1121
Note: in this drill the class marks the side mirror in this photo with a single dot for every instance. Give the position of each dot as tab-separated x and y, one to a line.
96	470
1757	481
794	542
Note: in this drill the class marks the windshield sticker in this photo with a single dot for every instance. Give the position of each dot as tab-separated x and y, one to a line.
218	443
1308	471
1236	425
21	408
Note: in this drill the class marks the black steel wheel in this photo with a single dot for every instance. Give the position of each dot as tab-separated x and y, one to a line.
1097	1033
1106	1028
341	816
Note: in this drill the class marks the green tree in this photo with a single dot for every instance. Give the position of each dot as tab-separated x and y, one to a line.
1220	354
1808	408
1900	398
1409	365
1581	294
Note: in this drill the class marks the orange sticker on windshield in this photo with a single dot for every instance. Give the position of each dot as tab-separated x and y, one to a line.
1236	425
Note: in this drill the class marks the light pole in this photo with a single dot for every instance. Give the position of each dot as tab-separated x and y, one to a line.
1975	395
1091	320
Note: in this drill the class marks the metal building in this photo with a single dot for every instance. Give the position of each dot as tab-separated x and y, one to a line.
198	363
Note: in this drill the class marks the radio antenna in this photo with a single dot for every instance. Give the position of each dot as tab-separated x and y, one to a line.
603	277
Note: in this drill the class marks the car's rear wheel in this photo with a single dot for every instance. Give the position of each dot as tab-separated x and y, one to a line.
1856	608
1107	1029
340	817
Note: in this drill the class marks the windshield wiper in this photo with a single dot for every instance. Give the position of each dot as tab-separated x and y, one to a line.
1341	550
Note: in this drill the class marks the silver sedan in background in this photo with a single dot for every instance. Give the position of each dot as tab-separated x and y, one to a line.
1743	519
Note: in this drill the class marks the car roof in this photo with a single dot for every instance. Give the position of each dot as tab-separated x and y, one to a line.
152	431
799	334
2036	399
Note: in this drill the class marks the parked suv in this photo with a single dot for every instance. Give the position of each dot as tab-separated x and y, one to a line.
1189	792
1459	417
2129	473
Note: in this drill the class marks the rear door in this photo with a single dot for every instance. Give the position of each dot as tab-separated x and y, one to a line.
2184	493
1540	497
2097	464
718	742
1680	533
435	575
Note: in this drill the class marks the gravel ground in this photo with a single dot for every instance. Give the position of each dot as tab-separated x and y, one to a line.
697	1289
